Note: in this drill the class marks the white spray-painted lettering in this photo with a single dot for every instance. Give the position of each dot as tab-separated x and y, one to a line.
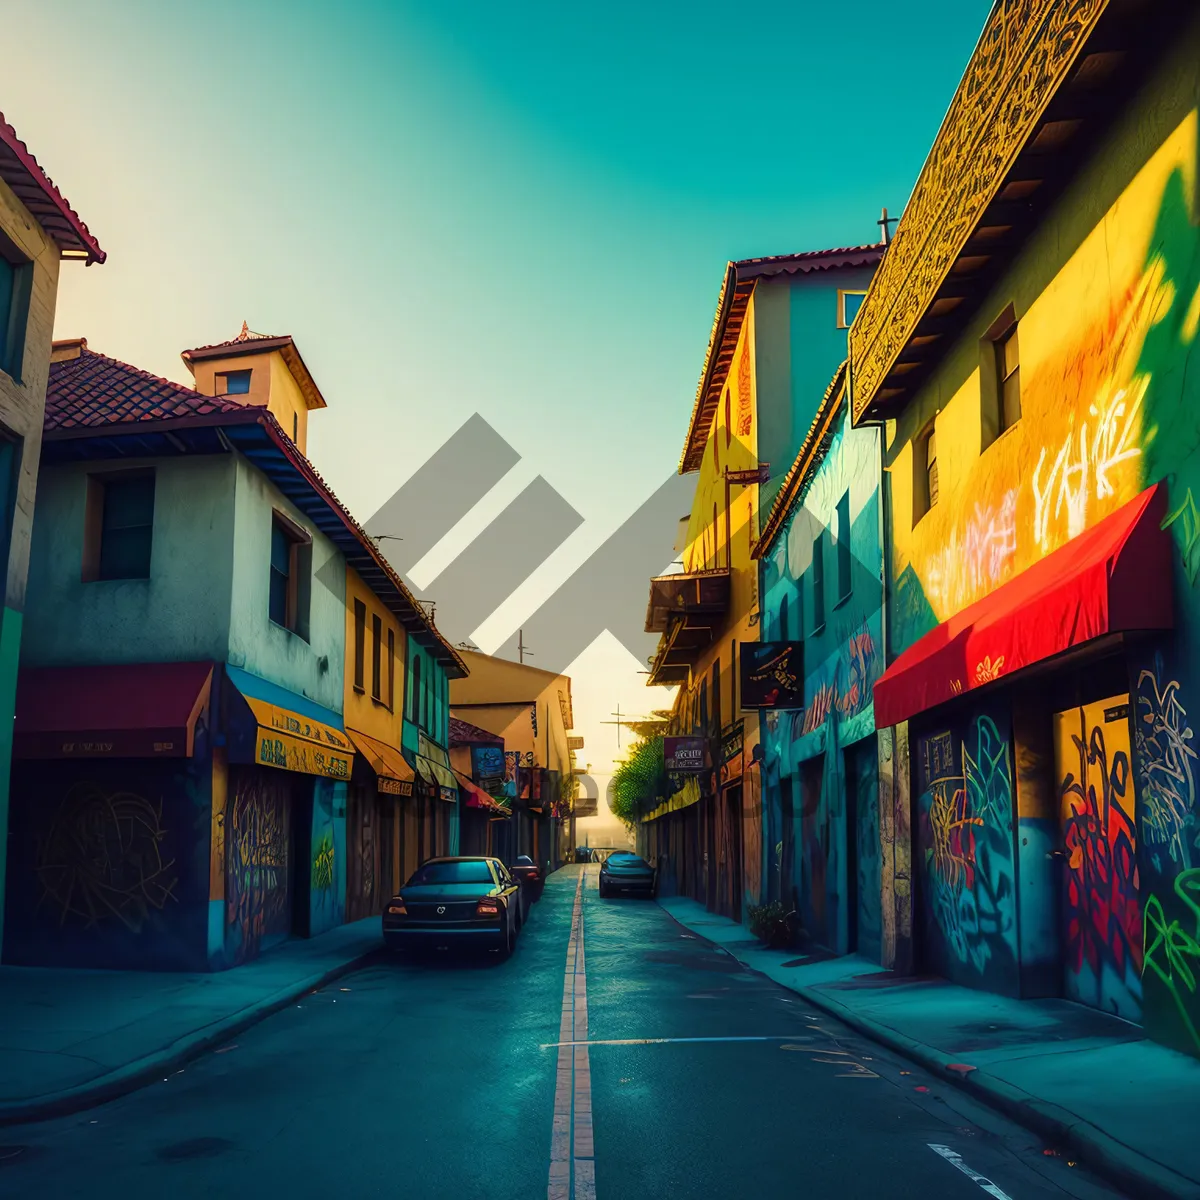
978	558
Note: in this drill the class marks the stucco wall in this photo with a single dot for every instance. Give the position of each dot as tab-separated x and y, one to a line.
362	711
181	613
314	668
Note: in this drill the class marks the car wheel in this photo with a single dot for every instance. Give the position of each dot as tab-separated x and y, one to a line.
603	891
506	942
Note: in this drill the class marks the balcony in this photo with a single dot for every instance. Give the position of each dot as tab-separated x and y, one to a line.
688	609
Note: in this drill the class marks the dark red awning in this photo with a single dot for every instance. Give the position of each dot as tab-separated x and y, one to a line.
1112	578
144	710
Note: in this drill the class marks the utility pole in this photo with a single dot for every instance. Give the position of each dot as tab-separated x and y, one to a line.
522	649
885	223
617	723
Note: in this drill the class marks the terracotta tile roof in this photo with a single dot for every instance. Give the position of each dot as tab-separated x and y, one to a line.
811	451
34	188
463	733
94	390
734	298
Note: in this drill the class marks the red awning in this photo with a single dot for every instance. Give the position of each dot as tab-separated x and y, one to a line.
147	710
476	797
1112	578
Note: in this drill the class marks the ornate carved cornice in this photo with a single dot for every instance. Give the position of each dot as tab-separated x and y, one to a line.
1026	50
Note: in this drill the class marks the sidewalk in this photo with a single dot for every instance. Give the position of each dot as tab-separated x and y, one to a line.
1086	1081
72	1039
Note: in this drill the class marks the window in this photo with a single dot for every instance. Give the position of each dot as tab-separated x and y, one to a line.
782	634
237	383
415	693
391	669
291	574
16	283
716	696
360	647
818	582
925	472
295	427
472	870
1008	371
844	561
376	657
120	529
848	304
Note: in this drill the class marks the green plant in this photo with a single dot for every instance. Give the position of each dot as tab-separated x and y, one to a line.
772	923
640	782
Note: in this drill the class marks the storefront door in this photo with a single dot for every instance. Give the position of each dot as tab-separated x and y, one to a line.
1101	913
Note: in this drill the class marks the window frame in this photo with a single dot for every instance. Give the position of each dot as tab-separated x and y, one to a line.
99	489
842	293
923	498
414	689
360	646
299	545
391	670
818	583
242	375
376	658
16	327
845	559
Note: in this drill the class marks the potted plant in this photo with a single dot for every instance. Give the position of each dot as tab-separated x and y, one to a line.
773	924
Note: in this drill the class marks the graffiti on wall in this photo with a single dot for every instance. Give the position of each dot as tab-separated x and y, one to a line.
966	814
257	831
322	867
1103	933
848	686
976	557
101	858
1165	755
863	777
1172	948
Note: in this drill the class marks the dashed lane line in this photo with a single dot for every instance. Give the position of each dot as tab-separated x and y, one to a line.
955	1160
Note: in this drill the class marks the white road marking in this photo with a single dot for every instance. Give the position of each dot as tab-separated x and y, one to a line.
955	1159
781	1037
572	1155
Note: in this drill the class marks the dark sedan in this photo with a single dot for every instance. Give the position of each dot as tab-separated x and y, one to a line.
626	874
527	872
453	902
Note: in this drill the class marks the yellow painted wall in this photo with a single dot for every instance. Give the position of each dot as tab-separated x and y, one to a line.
497	685
271	387
1080	448
362	711
732	444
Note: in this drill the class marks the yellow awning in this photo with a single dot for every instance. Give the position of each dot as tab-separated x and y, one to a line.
440	778
296	743
393	773
687	795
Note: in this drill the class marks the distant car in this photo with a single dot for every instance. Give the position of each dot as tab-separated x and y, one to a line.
623	874
456	901
530	876
582	854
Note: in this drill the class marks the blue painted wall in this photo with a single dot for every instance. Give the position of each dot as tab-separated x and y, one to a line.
807	749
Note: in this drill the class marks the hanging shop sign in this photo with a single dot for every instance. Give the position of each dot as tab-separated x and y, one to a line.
732	747
684	755
772	674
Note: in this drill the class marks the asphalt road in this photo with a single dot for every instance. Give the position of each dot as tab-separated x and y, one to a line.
442	1078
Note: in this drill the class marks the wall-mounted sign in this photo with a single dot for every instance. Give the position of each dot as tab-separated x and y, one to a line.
487	762
772	674
732	741
574	743
683	755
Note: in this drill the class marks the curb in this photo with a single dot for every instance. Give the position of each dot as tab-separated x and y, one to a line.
132	1076
1118	1163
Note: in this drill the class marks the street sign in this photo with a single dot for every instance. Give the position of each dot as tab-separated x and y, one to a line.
683	755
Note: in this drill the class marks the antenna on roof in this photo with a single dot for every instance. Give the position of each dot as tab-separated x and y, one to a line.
885	223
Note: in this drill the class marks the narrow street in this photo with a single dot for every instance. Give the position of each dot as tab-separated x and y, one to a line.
438	1079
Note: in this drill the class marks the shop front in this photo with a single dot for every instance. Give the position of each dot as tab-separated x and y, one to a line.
1021	714
112	784
436	791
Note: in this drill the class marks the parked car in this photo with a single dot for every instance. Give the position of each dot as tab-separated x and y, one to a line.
582	854
456	901
530	876
624	874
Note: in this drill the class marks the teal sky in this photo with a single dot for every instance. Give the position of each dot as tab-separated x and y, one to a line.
519	209
522	210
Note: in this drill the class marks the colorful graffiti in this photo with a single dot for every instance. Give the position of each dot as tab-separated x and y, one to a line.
1103	920
322	867
976	557
1172	953
101	858
850	687
257	834
968	869
1165	755
862	782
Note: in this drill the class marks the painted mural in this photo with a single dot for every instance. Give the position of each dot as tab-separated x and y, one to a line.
258	862
108	866
1101	908
967	870
862	783
327	868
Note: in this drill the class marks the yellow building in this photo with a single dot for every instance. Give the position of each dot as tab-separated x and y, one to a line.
1027	349
531	710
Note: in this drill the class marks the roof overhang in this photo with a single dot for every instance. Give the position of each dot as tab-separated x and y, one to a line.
736	289
1044	81
689	610
48	206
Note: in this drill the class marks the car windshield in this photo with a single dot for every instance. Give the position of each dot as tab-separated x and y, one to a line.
627	860
524	861
475	871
